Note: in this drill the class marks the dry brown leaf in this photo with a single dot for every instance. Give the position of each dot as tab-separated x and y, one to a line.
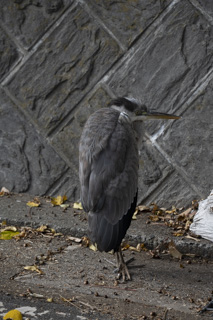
178	234
190	237
85	241
125	246
143	208
154	218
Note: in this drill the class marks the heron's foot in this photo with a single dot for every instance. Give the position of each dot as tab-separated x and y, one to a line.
123	272
122	267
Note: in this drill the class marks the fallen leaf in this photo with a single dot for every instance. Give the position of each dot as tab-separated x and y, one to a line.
64	206
7	235
42	228
33	268
85	241
190	237
144	208
178	234
77	240
77	205
4	191
125	246
33	204
93	247
174	252
13	315
136	249
49	299
58	200
134	217
154	218
10	228
35	295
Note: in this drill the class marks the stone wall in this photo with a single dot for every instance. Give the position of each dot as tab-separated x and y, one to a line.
62	59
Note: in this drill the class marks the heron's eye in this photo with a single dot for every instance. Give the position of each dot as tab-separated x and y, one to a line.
138	112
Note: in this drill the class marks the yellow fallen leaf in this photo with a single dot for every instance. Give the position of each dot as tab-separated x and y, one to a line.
64	206
42	228
49	299
33	204
13	314
77	205
7	235
58	200
33	268
93	247
136	249
134	217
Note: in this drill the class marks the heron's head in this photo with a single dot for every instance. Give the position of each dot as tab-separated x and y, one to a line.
137	111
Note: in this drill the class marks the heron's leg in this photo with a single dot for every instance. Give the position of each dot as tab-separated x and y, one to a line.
122	267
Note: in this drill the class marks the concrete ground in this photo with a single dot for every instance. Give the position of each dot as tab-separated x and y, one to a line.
67	280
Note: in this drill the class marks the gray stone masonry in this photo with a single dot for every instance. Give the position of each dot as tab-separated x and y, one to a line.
61	60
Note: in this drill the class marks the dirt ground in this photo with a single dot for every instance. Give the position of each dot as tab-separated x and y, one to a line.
68	273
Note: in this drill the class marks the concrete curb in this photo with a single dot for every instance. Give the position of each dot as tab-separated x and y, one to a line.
14	210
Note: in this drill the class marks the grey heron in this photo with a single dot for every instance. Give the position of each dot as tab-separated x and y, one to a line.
108	172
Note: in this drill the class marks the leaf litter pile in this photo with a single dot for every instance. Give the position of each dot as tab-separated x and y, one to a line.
178	219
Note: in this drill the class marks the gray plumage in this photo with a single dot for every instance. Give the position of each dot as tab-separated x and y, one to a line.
108	172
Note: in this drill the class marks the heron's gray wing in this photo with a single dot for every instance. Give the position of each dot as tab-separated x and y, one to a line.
109	167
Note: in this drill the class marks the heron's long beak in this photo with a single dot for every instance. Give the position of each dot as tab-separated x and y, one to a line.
150	115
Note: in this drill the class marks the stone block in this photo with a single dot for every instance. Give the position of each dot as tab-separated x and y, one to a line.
127	19
27	162
174	191
207	6
189	142
68	186
9	54
168	63
153	169
64	69
67	139
28	20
